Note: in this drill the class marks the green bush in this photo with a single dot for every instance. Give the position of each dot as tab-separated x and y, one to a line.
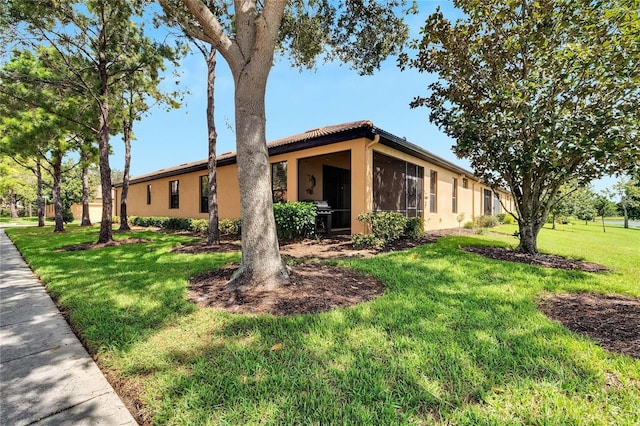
366	240
388	226
230	226
486	221
115	220
178	224
146	221
200	225
67	216
505	218
469	225
413	228
295	220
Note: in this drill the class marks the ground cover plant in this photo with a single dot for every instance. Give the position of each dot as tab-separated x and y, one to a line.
455	339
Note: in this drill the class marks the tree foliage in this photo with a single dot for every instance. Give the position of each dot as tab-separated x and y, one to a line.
536	93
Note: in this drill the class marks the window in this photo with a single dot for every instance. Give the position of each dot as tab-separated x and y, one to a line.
488	196
204	194
397	186
433	189
174	196
279	182
454	196
465	183
148	194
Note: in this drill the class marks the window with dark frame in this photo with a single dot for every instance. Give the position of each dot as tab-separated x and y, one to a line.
465	183
279	182
148	194
204	194
174	195
433	189
454	196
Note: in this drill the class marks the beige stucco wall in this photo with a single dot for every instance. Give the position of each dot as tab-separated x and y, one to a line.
356	155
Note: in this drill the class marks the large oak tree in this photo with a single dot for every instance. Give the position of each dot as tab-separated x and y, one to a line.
359	32
536	93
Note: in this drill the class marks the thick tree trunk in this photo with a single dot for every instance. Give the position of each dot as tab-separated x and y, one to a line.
39	199
57	199
13	205
529	237
261	262
213	236
86	218
126	137
626	215
106	233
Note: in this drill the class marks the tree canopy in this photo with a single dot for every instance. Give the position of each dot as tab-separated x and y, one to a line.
536	93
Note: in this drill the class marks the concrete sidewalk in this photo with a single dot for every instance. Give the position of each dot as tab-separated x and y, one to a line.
46	376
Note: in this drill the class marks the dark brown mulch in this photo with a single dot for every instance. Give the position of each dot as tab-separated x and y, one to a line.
546	260
613	321
314	288
114	243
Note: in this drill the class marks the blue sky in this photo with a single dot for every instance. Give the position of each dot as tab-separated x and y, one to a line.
295	102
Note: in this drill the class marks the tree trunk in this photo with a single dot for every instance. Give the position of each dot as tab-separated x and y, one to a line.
528	237
626	215
553	226
106	233
126	137
86	218
261	264
57	200
213	236
603	228
40	207
13	204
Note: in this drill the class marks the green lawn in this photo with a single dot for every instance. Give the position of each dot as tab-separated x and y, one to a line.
456	339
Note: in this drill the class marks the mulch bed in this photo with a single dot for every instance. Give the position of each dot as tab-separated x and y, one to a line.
546	260
314	287
613	321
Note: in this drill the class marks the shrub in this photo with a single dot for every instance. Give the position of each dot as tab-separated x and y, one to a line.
229	226
115	220
178	224
295	220
413	227
509	219
200	225
469	225
486	221
67	216
146	221
388	226
366	240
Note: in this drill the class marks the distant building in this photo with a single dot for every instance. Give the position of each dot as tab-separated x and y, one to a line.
355	167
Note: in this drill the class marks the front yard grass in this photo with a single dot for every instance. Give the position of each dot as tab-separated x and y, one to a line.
456	339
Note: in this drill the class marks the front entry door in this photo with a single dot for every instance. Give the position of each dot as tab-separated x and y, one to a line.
336	189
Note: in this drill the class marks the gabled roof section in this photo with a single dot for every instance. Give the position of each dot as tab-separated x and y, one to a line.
311	138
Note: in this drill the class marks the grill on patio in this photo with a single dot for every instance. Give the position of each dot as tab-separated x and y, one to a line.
323	216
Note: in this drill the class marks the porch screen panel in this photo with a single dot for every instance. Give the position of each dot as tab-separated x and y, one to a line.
415	181
279	182
389	184
398	186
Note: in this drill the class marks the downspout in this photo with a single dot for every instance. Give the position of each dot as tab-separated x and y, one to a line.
369	172
473	201
375	140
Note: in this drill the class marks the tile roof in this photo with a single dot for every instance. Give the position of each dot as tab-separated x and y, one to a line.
320	135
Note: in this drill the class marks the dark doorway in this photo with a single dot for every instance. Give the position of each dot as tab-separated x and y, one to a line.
336	189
